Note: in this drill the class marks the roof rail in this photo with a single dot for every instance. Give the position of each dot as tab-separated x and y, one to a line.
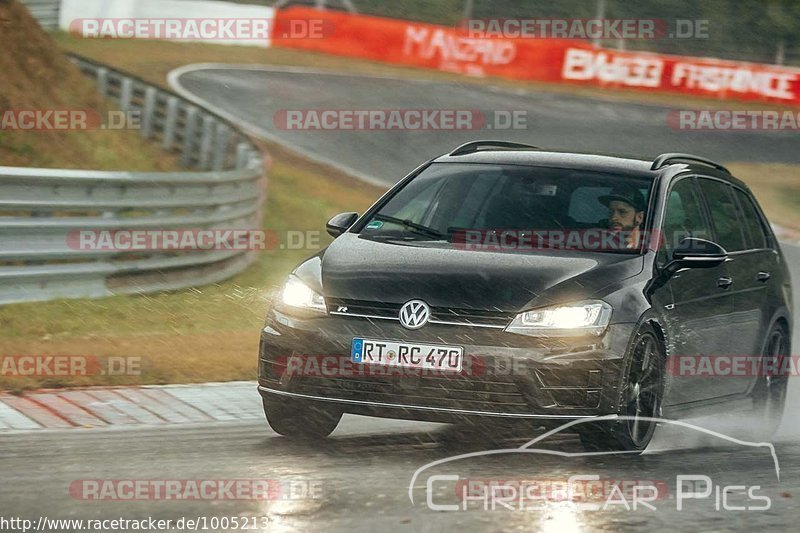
666	159
474	146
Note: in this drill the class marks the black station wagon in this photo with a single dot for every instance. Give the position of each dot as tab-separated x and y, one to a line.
506	281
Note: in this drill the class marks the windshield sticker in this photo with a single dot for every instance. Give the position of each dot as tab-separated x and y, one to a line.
546	190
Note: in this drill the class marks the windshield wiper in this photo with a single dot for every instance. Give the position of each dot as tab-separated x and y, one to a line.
419	228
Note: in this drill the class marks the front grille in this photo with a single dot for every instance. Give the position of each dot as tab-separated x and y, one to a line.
439	315
471	317
551	389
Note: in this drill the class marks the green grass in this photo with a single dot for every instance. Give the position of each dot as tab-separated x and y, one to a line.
35	74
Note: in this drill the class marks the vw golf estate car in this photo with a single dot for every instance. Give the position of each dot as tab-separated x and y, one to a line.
508	282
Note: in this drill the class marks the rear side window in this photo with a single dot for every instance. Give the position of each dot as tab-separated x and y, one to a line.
724	215
752	221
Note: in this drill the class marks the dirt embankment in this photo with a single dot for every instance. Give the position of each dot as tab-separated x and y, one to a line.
35	75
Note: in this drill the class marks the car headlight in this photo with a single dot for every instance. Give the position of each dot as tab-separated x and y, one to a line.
581	318
297	294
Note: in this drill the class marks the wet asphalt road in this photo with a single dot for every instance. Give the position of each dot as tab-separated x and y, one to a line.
559	122
361	476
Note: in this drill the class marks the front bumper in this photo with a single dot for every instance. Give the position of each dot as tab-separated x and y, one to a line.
505	374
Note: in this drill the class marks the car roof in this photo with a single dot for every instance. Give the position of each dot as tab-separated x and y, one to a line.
594	162
630	166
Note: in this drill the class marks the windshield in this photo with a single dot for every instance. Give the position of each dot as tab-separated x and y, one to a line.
512	207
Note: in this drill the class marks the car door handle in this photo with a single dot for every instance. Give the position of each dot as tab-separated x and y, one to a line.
724	283
763	277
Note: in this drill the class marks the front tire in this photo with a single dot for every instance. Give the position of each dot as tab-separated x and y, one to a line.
769	392
300	419
640	400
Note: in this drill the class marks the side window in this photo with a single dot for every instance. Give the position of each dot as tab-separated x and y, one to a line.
724	215
752	221
683	217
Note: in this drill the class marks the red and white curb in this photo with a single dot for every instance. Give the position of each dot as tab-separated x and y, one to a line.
152	405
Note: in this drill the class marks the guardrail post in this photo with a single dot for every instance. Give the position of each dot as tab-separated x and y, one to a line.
223	136
102	81
242	155
149	112
189	133
206	142
170	123
126	95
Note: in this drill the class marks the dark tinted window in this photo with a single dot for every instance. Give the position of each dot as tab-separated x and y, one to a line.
724	215
451	198
584	206
684	216
752	221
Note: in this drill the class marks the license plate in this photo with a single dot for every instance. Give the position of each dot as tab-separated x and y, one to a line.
407	355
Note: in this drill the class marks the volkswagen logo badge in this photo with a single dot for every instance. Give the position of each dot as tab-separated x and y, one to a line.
414	314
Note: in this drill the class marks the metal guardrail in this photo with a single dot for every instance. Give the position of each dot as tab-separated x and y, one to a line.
40	207
46	12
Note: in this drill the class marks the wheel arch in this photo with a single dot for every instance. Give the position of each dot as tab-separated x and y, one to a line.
657	323
784	318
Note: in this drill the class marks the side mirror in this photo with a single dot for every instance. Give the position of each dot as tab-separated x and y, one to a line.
696	253
340	223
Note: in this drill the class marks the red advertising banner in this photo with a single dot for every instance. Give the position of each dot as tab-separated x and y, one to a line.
422	45
688	75
550	60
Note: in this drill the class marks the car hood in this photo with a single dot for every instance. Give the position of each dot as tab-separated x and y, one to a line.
357	268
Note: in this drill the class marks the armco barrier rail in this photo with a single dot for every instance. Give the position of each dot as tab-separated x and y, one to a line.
46	12
40	207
